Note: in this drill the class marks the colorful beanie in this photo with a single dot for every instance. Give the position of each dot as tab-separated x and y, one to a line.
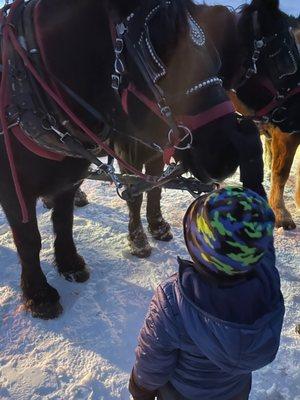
229	230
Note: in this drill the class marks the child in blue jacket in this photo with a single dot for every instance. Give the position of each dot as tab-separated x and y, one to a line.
220	317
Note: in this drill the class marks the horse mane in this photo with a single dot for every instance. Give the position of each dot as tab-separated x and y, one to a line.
270	5
173	18
270	16
124	8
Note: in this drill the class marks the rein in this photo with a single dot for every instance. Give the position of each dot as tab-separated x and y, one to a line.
268	112
9	38
275	104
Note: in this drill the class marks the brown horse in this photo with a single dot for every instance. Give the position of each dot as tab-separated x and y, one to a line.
215	159
76	50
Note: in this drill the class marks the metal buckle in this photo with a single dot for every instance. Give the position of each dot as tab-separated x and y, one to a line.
256	55
119	46
164	108
11	125
115	81
170	170
121	29
48	121
110	170
259	44
119	66
265	119
61	135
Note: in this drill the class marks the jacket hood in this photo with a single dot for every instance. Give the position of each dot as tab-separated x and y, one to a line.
236	327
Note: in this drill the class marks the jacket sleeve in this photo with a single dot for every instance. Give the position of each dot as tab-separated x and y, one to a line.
139	393
156	353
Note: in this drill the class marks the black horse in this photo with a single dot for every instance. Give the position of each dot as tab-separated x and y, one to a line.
260	59
263	78
77	41
261	63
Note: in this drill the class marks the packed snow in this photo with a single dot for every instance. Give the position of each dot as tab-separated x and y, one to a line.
87	353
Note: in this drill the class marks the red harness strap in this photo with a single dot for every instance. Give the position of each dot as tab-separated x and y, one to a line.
33	147
9	36
274	102
192	122
4	101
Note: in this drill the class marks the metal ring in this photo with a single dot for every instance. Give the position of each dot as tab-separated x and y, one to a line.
273	117
48	122
188	134
119	66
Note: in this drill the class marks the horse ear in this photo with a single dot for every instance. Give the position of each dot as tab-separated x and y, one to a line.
265	4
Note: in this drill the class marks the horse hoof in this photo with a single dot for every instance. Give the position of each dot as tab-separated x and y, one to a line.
287	225
44	303
77	276
48	202
161	232
80	199
140	252
44	310
139	245
73	270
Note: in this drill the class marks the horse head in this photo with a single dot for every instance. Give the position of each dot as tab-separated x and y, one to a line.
271	69
165	39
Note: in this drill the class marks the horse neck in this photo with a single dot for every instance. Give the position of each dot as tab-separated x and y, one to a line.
79	49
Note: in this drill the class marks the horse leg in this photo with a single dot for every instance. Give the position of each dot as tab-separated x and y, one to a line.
80	200
69	263
138	241
158	227
41	299
283	148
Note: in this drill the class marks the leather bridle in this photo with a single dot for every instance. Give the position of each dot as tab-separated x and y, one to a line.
273	110
132	35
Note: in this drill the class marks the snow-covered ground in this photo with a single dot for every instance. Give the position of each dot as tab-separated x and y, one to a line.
87	353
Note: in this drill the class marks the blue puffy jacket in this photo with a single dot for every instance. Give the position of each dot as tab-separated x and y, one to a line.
205	339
